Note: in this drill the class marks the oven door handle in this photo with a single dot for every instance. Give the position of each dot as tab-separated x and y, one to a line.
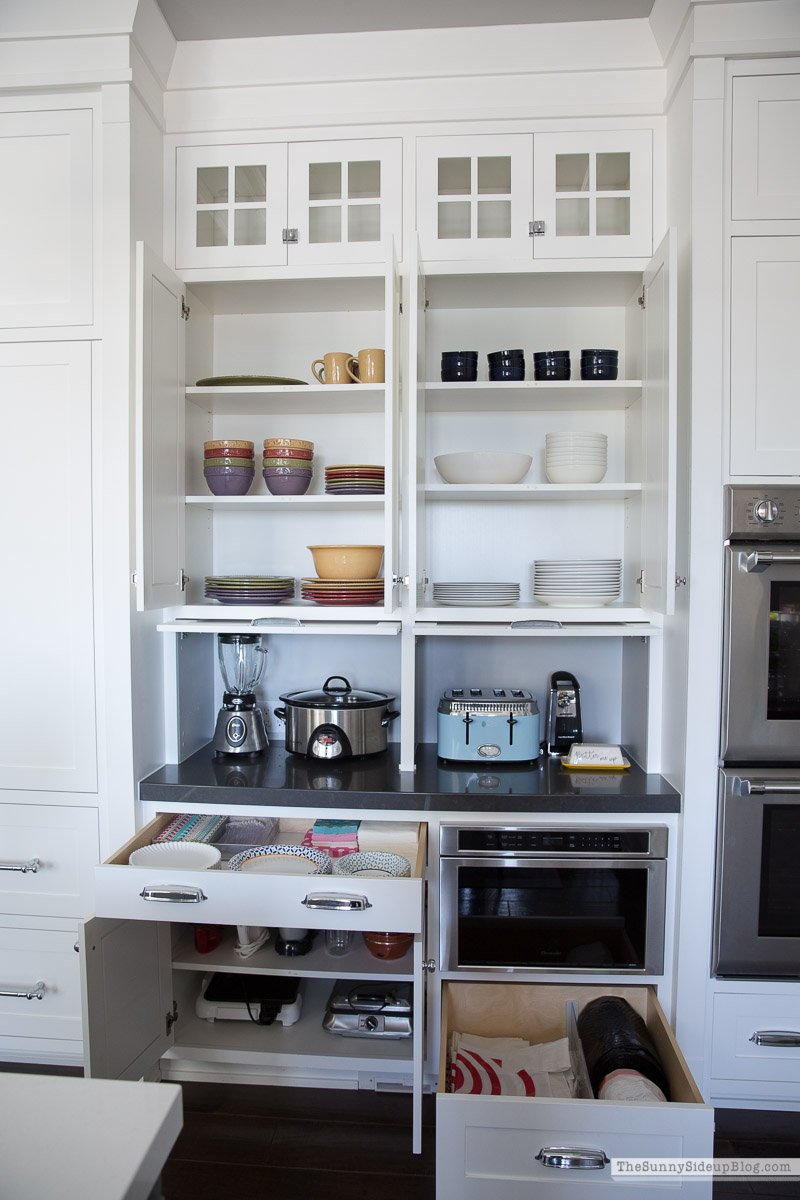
761	787
760	560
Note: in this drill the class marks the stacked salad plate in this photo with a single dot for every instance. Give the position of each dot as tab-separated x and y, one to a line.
358	479
249	589
576	457
476	595
342	591
577	582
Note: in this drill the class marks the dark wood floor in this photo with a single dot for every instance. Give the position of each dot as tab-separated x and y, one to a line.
246	1141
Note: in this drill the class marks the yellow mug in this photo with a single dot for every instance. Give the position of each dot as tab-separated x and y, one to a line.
334	366
371	366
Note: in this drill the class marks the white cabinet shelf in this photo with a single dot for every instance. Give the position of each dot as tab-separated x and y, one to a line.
571	395
267	503
531	491
311	399
203	618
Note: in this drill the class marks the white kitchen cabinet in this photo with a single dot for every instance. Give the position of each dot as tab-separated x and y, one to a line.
47	233
755	1047
765	161
493	1142
40	992
765	316
48	858
47	552
143	973
545	195
269	204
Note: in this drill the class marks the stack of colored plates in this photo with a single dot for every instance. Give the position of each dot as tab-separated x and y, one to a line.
343	591
358	479
249	589
476	595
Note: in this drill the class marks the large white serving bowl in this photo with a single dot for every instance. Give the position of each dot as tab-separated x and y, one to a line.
575	473
483	466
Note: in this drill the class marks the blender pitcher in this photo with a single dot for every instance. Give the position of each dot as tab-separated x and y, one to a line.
240	723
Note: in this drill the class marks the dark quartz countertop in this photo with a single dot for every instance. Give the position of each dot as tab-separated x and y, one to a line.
283	780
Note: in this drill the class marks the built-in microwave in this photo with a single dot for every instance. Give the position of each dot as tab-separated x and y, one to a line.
536	899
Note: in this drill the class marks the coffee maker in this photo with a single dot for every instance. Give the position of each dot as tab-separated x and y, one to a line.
240	723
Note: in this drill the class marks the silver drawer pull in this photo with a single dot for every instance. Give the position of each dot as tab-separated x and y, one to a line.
333	902
34	993
761	787
170	895
31	865
573	1158
775	1037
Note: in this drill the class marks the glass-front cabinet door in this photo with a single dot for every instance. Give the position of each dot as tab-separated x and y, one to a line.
230	206
592	194
474	196
344	198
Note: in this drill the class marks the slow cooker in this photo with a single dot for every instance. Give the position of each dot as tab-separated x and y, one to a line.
336	720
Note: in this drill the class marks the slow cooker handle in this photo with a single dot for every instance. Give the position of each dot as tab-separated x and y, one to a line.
389	716
346	683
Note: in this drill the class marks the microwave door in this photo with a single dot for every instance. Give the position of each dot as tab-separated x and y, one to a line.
757	918
761	664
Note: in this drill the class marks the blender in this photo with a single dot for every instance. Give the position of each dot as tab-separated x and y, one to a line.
240	723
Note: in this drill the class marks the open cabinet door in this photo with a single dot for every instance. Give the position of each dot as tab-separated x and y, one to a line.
659	428
393	456
127	997
160	467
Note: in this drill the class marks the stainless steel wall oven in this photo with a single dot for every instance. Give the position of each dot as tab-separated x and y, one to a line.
534	899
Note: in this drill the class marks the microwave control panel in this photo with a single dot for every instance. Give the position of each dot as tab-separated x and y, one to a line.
498	840
754	513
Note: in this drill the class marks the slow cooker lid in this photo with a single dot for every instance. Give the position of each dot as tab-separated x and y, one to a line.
336	692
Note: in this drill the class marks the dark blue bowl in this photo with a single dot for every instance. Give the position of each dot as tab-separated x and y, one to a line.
497	355
464	374
539	355
541	372
599	371
506	371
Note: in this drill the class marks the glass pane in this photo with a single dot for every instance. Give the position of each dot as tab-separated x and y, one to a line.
455	176
613	215
613	172
779	901
212	228
250	227
572	218
364	223
783	683
364	180
325	224
494	176
494	218
325	181
572	172
251	183
212	185
454	219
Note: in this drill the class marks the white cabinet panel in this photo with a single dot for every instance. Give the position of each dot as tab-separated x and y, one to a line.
765	318
756	1037
47	857
766	148
46	241
45	392
28	958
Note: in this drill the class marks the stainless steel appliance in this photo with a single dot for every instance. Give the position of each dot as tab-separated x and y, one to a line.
371	1009
541	898
500	724
757	918
564	725
240	724
761	660
336	720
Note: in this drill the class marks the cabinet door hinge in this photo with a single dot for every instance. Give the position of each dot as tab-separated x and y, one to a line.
185	310
640	580
642	300
171	1017
400	579
536	229
135	578
184	580
429	965
290	236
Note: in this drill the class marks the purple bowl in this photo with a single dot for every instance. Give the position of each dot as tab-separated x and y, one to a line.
287	485
211	472
296	472
230	485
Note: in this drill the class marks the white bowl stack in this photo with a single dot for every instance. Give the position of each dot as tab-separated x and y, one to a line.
575	457
577	582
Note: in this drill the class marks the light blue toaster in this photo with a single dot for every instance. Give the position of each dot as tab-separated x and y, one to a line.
488	724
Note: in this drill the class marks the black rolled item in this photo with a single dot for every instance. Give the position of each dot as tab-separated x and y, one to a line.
614	1037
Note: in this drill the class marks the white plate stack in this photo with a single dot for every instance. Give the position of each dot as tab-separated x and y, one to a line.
575	457
476	595
577	582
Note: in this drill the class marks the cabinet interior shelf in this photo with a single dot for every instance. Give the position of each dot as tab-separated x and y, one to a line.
318	964
323	503
595	622
532	491
525	395
313	399
190	619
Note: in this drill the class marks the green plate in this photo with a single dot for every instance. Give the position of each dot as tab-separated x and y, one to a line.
247	381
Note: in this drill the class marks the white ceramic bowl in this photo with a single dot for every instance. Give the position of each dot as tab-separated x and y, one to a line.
483	466
575	473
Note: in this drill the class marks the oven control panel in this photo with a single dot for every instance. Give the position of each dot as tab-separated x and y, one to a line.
521	840
755	513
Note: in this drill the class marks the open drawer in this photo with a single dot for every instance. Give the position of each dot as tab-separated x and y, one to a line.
488	1145
223	897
